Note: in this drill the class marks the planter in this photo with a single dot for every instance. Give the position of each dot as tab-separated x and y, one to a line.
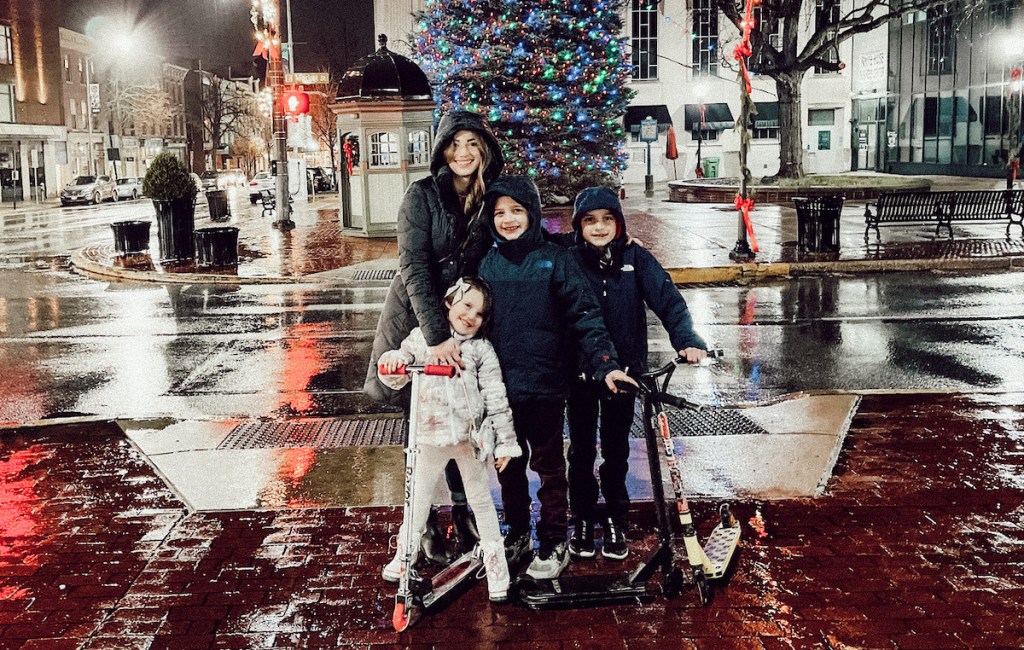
130	237
216	247
175	220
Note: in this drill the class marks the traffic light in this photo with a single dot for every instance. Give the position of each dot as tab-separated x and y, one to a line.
295	103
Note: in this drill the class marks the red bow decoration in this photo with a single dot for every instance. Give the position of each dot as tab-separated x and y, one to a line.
348	155
745	206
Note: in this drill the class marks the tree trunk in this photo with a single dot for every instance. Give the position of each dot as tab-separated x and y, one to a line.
790	132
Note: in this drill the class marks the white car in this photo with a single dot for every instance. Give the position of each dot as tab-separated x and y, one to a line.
261	181
129	188
88	189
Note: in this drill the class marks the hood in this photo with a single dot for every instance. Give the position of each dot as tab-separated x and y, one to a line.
598	198
457	121
525	192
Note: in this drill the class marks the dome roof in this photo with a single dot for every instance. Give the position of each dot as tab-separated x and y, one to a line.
384	75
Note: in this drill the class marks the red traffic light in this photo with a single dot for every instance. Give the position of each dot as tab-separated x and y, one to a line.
295	102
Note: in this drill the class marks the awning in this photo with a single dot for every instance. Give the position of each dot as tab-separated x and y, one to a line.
767	115
636	114
717	117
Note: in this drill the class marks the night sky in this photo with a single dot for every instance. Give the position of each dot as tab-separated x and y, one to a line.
218	34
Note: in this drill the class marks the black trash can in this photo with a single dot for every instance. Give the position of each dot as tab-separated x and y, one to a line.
817	220
175	221
130	237
216	247
218	202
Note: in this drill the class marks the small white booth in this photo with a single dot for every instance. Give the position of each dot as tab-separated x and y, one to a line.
385	118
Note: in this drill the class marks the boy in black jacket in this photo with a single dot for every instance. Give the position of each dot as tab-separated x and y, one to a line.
625	277
541	303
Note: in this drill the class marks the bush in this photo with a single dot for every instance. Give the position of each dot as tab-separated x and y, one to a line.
167	179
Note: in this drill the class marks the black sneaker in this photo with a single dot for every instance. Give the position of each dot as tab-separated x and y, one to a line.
615	542
581	544
466	533
518	547
550	561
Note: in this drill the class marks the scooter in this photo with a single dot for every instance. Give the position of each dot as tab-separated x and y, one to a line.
415	595
708	562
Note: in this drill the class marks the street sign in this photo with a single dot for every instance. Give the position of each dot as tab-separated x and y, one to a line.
891	135
307	78
94	98
649	130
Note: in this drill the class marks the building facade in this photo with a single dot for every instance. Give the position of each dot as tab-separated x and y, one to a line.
86	154
33	136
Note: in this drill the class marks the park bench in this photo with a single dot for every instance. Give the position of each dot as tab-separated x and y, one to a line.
943	208
269	201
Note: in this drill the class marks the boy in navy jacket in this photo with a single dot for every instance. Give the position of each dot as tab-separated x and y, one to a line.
542	305
625	277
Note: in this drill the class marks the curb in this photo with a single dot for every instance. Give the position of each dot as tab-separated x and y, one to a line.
98	271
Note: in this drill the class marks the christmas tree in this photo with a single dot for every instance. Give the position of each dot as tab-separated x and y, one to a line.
549	75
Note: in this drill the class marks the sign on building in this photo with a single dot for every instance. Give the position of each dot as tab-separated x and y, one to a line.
94	98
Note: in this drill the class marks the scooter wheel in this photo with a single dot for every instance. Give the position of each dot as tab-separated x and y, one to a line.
703	586
400	617
728	521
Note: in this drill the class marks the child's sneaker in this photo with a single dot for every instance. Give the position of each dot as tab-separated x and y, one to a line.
392	571
492	554
615	543
517	547
581	544
550	561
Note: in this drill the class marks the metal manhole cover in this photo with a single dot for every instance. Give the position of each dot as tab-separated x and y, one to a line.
707	422
315	433
379	274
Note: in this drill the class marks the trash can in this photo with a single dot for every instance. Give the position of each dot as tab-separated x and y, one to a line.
218	202
130	237
710	167
175	220
216	247
817	221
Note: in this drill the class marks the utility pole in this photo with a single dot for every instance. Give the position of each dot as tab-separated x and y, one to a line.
279	158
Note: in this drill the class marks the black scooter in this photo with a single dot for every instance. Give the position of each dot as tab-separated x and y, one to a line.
707	562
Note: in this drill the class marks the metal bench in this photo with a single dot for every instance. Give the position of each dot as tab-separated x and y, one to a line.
269	201
943	208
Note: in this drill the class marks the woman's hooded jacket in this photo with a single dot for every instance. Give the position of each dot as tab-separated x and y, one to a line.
437	244
542	306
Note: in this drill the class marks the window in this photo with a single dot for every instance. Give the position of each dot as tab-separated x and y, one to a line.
826	15
771	32
81	71
940	41
999	13
85	114
383	150
419	151
6	103
705	135
645	39
821	117
73	106
705	37
6	52
766	133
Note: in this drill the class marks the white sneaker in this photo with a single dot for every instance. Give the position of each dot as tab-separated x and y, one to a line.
496	569
392	571
549	562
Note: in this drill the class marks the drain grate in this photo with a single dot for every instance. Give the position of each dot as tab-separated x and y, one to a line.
379	274
709	422
315	433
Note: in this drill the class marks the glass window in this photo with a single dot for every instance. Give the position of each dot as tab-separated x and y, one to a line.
771	33
419	152
6	52
826	14
821	117
644	39
768	133
81	71
940	41
705	135
384	150
705	37
6	103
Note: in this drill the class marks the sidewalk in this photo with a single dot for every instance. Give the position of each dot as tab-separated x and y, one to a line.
915	543
692	240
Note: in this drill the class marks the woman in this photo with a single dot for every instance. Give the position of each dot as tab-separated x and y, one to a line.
441	238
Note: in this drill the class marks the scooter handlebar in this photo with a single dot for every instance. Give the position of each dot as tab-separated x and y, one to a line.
427	369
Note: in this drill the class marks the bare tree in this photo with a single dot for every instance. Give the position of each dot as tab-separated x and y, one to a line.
228	110
788	60
144	108
323	121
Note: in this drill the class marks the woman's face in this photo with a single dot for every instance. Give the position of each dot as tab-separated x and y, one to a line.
463	154
511	218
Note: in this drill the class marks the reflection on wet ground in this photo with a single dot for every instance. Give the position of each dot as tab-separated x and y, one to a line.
915	542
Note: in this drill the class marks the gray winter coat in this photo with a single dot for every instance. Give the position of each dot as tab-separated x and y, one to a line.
437	244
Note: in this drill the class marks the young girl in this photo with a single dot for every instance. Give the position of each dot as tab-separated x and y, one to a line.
465	419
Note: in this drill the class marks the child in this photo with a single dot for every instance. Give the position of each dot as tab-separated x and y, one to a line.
625	276
541	299
464	419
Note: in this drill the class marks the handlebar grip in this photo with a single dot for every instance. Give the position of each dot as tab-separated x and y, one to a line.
400	370
439	370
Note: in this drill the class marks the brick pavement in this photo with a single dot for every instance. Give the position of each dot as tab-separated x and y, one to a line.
917	543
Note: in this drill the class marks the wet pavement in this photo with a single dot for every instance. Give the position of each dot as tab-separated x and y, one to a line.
916	542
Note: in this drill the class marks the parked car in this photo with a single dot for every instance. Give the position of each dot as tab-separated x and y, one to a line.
227	178
209	180
88	189
323	181
261	181
129	188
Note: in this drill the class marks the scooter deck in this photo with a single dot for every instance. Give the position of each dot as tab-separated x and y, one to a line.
446	584
582	591
719	549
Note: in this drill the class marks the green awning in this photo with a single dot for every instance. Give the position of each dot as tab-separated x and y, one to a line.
767	115
717	117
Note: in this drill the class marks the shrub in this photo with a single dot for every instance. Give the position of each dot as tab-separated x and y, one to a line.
167	179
